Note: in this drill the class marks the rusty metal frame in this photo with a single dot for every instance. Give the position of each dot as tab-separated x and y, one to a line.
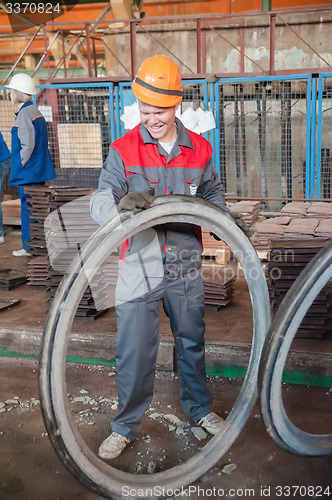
111	52
240	50
34	36
46	53
302	40
202	23
65	55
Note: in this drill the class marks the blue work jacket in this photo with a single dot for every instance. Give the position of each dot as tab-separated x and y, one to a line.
4	151
30	159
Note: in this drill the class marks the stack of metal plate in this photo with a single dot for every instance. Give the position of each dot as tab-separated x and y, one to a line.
11	278
38	272
287	258
67	229
39	206
219	283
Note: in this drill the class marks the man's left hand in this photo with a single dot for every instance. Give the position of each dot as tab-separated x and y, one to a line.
136	200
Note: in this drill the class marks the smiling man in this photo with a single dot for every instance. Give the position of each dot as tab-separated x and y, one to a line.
163	263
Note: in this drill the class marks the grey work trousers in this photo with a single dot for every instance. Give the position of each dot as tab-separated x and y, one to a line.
137	348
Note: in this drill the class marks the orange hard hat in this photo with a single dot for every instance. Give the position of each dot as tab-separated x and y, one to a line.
158	82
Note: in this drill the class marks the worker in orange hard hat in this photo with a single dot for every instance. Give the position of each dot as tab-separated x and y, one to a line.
159	156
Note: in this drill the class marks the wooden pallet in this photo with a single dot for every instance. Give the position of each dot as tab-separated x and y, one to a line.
219	255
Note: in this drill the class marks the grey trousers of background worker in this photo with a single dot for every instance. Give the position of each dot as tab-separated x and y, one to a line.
137	348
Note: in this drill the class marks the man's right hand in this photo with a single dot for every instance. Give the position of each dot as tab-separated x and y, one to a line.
136	200
242	225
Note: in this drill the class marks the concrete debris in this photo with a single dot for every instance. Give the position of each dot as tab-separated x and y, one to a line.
115	406
83	391
2	410
151	468
180	431
173	419
199	433
139	468
154	415
111	374
147	438
11	402
171	428
85	400
105	400
2	405
79	399
228	469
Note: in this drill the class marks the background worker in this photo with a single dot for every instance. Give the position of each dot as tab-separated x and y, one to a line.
4	167
31	162
163	263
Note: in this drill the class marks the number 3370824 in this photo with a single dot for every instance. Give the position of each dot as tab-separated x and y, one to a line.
32	8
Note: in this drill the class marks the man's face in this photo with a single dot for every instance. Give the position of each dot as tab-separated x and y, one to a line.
160	122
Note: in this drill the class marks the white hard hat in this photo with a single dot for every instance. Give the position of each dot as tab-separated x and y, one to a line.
23	83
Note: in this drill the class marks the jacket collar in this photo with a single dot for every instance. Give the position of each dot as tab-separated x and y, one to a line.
182	138
27	103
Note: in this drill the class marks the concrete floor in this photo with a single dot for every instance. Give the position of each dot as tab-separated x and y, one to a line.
31	470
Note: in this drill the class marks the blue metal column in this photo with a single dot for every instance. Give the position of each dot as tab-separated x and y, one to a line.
313	138
217	139
112	121
213	131
319	137
308	128
117	113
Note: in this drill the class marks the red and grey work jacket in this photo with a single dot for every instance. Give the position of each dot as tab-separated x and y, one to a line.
137	162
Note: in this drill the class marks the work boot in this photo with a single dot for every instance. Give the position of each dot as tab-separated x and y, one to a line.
113	446
21	253
212	423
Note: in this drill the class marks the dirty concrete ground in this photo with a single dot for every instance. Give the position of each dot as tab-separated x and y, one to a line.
31	470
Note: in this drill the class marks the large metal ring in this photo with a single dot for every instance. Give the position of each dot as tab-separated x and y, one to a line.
281	333
69	444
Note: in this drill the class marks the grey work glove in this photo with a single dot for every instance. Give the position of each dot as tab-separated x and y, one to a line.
136	200
240	223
